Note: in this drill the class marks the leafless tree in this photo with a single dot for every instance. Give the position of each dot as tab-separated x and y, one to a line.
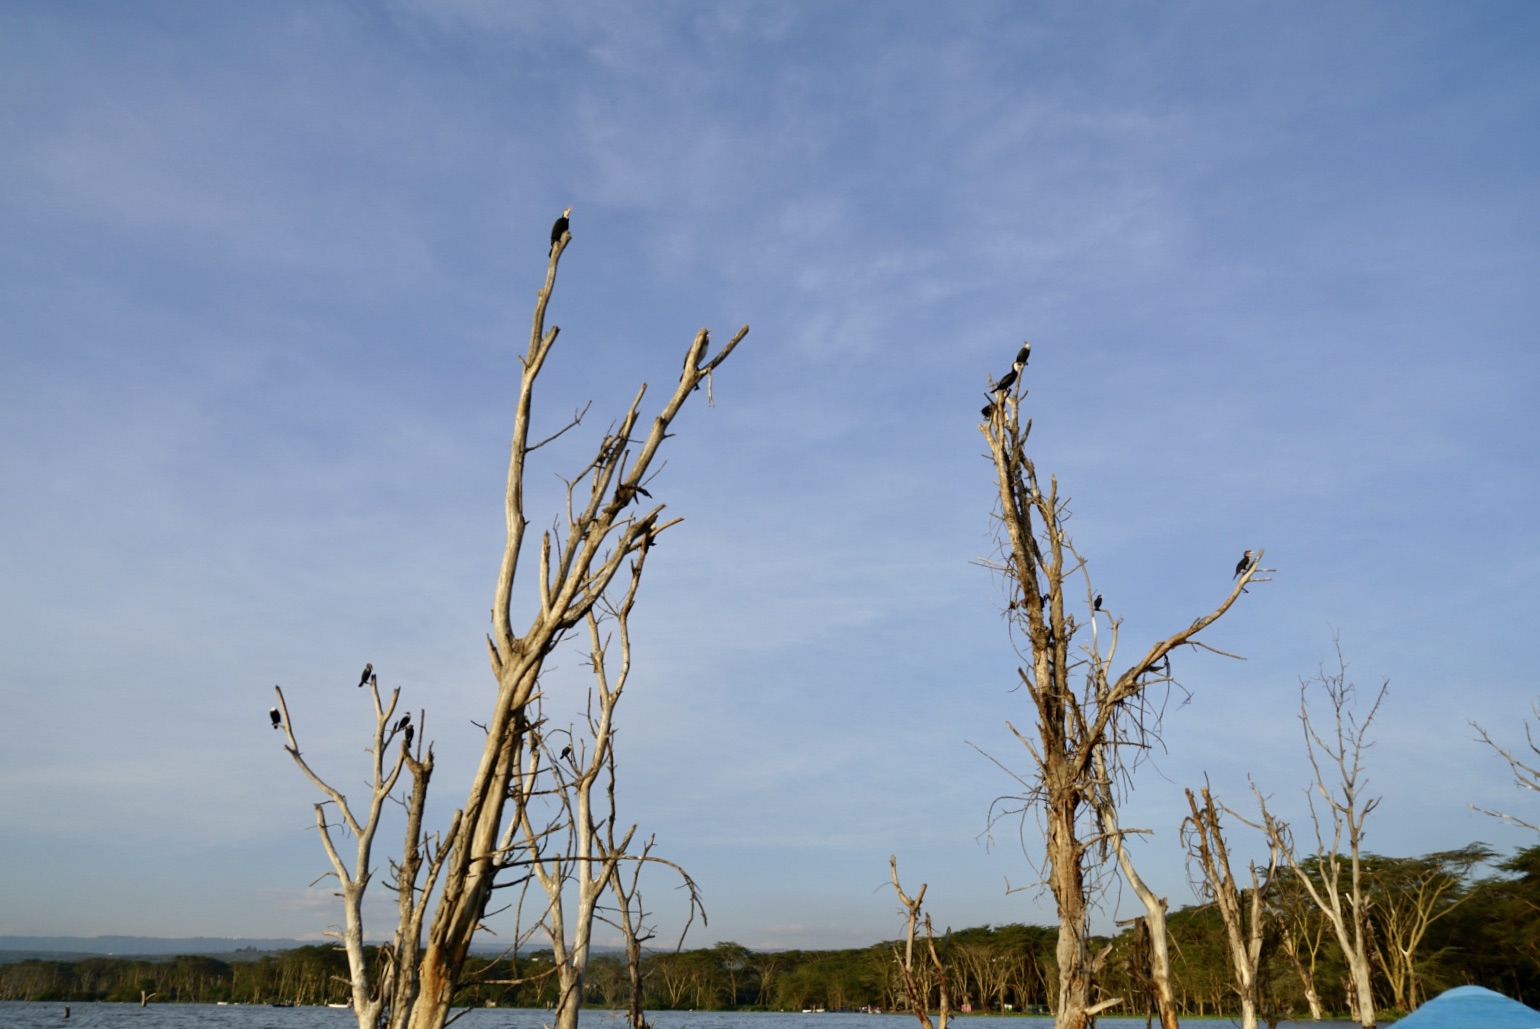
1246	916
1111	715
1339	807
1525	769
609	522
918	979
594	847
1301	936
398	957
1104	801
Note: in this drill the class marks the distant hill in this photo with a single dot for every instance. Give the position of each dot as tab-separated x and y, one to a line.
66	948
73	948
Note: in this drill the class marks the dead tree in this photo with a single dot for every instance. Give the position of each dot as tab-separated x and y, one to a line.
609	522
585	820
1245	916
1154	918
1339	807
1112	714
397	959
1301	936
1525	769
918	979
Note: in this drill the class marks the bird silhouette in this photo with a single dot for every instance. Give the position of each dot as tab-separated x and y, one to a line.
276	717
1245	563
368	671
558	230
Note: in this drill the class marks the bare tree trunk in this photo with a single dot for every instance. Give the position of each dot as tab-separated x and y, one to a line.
1332	880
916	982
578	560
353	879
1244	921
1108	713
1306	975
1154	907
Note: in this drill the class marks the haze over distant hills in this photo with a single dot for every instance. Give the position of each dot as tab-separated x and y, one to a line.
69	948
18	948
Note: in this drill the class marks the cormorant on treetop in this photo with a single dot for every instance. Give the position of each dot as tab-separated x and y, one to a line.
408	741
406	720
368	671
1245	563
276	717
566	753
558	230
1022	355
1096	605
1005	381
988	412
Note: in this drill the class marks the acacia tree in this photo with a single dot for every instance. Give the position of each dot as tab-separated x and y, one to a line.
1408	895
1110	714
1246	918
609	521
1339	807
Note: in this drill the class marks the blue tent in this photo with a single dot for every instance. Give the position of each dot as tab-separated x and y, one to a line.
1471	1007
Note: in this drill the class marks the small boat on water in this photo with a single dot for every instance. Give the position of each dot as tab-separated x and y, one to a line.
1471	1007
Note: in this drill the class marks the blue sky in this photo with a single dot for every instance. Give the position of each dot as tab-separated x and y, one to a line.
265	268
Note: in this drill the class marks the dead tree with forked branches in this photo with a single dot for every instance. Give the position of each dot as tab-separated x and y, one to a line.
1246	916
609	523
1339	807
918	979
373	999
593	847
1524	767
1087	737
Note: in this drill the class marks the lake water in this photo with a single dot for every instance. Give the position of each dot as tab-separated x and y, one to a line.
29	1015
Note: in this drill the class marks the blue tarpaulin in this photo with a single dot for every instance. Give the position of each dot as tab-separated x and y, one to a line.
1471	1007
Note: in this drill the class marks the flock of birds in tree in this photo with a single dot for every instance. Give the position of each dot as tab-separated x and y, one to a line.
1008	380
563	226
404	726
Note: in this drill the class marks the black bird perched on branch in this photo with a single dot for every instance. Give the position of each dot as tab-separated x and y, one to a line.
1005	381
558	230
566	753
988	412
276	717
1022	355
408	740
1244	564
368	671
406	720
1096	605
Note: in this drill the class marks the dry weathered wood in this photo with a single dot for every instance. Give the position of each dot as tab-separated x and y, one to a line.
601	532
1245	917
1110	718
918	980
1334	880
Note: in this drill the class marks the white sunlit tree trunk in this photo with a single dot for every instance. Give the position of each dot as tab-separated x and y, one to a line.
609	524
1246	916
1339	808
1111	715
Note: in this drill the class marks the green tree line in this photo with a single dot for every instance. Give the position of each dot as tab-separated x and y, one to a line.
1433	927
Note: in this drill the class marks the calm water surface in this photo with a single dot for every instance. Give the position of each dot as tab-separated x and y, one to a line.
25	1015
